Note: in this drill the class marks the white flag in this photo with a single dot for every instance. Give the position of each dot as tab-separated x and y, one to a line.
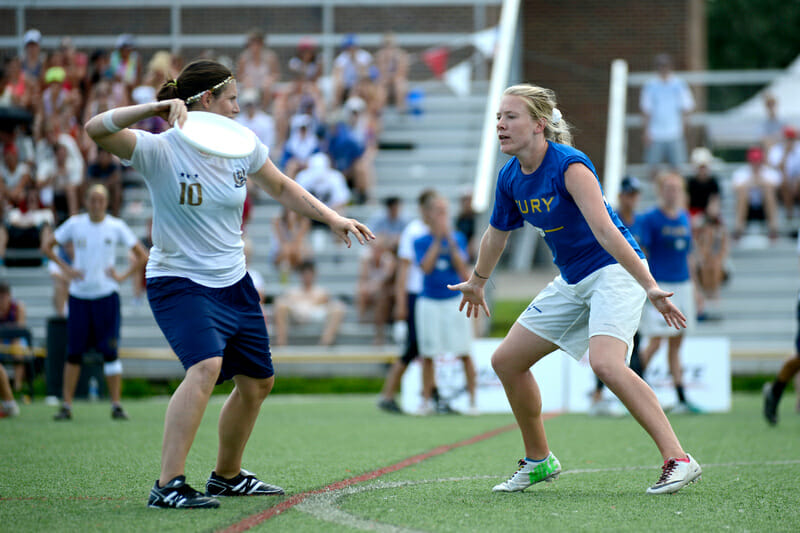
485	41
459	78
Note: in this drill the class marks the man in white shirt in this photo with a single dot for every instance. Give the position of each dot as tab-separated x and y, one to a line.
784	157
352	64
756	186
94	311
665	102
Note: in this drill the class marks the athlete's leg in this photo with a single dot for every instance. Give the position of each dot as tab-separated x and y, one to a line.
647	354
512	360
393	377
5	386
236	421
607	357
72	372
469	373
184	413
674	359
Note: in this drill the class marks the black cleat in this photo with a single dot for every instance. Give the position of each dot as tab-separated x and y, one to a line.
178	495
770	404
65	413
118	413
390	406
245	484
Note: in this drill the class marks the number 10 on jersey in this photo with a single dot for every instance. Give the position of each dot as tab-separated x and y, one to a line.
191	193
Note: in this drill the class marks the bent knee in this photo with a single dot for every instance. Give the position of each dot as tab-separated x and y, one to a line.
255	390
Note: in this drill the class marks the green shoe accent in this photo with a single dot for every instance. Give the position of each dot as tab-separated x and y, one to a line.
546	470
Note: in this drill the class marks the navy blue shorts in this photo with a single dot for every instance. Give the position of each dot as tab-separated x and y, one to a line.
202	322
93	324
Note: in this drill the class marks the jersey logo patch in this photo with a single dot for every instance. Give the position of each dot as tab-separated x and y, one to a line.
239	178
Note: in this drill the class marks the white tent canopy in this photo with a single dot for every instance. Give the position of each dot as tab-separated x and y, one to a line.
743	125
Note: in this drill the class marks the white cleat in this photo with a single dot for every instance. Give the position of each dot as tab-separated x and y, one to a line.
530	473
675	475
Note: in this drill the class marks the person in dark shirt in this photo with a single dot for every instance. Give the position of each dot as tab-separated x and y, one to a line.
703	185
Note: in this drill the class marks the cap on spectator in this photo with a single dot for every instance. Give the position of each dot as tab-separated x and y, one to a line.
249	96
755	155
300	121
55	75
789	132
125	40
349	40
306	43
32	36
355	104
630	185
702	156
9	148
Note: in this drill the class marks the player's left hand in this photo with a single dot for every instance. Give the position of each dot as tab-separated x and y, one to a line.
471	298
342	226
111	273
672	315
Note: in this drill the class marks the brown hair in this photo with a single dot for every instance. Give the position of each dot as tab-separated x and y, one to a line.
196	77
540	103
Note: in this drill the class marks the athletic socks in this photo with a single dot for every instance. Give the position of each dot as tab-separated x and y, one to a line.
681	395
777	390
534	461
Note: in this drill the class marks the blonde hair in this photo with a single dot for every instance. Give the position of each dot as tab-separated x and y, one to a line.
541	103
97	188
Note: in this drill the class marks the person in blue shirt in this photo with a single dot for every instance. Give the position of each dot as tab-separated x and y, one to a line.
665	232
441	328
595	303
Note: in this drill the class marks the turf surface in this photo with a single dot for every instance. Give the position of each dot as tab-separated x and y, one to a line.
94	473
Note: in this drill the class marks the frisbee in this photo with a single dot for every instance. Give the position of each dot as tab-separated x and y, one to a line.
217	135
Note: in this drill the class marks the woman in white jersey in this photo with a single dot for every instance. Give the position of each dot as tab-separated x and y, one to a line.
197	283
596	301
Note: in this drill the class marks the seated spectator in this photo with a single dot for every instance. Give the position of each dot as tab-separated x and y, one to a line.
289	248
784	157
254	118
27	224
302	143
703	185
345	152
105	169
55	94
125	63
32	60
12	313
375	290
330	187
15	176
13	88
59	181
756	187
350	65
308	303
300	98
8	407
389	224
258	67
305	65
364	126
138	280
711	252
392	63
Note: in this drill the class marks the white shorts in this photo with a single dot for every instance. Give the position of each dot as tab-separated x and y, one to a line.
606	302
441	327
653	324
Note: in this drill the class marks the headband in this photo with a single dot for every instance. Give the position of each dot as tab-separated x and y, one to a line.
196	97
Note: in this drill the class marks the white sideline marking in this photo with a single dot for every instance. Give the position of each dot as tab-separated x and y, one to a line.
325	506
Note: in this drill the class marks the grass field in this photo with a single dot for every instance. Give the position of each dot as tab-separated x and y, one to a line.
95	474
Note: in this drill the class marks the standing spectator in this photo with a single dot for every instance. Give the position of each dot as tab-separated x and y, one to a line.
407	286
125	62
12	313
665	102
289	248
465	223
258	67
703	186
441	327
32	61
308	303
756	186
255	119
94	310
106	170
352	64
392	62
390	223
665	235
773	126
785	158
711	245
374	289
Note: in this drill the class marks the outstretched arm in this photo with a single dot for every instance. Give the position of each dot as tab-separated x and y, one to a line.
585	190
492	245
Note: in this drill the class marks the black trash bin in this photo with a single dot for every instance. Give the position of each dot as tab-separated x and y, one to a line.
56	357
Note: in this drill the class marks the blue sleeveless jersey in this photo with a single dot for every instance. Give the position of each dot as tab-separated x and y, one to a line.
668	242
542	199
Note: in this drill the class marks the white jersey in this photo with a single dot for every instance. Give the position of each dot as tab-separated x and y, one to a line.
405	250
197	208
95	251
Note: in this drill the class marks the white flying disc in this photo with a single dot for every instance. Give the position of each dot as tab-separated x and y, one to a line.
217	135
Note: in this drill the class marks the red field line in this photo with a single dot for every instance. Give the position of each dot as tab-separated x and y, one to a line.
254	520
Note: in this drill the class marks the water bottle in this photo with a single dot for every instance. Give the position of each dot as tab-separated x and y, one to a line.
93	389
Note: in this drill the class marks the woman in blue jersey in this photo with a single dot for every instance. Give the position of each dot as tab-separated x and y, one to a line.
197	284
665	233
596	301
